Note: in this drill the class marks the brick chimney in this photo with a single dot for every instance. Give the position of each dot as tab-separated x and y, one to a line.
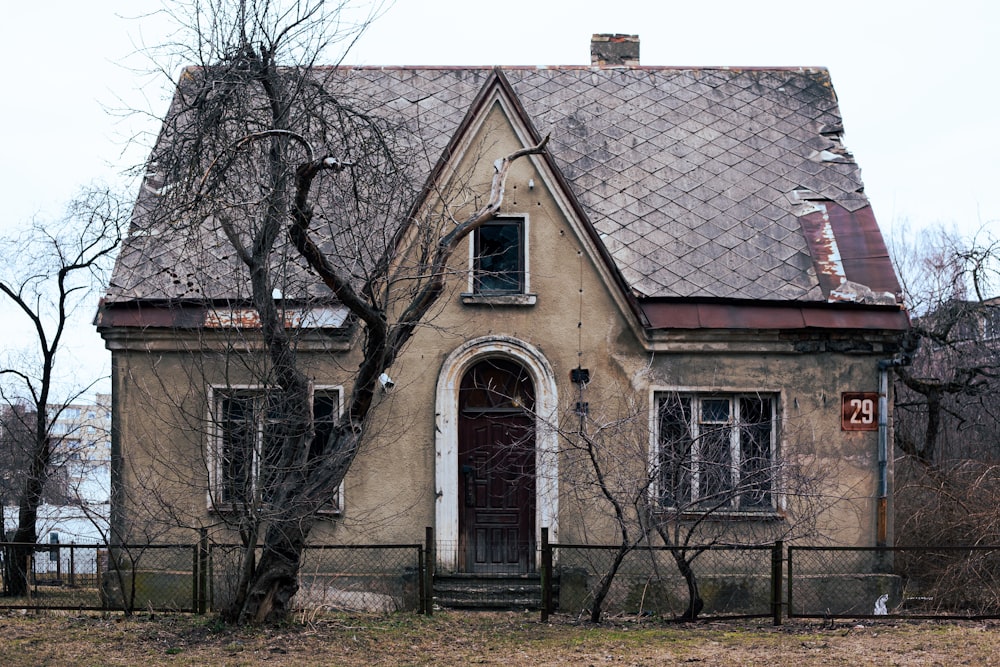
614	51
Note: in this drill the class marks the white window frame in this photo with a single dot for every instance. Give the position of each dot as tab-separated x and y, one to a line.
214	493
696	396
523	298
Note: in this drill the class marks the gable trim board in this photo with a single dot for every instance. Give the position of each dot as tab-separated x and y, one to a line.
497	92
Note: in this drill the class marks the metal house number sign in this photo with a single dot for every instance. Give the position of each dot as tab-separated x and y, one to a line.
859	411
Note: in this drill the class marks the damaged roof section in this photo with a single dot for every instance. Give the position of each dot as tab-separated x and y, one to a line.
849	255
703	184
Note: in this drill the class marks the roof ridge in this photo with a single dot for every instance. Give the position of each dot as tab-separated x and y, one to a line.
591	68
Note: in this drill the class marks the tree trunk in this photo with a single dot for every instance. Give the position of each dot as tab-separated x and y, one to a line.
27	518
275	579
603	588
265	592
695	603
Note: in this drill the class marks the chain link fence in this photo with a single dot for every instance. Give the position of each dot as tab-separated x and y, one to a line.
500	574
733	581
199	577
904	582
358	578
39	576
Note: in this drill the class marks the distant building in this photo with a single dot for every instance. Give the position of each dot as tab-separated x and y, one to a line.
76	500
84	448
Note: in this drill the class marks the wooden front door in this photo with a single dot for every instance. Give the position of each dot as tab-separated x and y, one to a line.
496	468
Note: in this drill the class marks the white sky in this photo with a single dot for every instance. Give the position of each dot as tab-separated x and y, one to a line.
916	82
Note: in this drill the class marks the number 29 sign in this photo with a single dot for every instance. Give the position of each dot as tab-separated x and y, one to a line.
859	411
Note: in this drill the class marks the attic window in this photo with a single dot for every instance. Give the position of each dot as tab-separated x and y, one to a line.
499	257
499	264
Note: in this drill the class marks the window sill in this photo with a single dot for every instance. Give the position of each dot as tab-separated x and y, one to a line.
472	299
232	508
727	515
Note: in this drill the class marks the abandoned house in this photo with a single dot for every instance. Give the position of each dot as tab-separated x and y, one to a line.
687	282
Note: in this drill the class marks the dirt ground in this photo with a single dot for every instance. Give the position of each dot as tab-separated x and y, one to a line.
486	639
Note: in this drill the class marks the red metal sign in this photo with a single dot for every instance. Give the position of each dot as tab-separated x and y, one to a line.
859	411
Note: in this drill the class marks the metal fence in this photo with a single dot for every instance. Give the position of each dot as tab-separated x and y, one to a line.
733	581
92	576
901	582
369	578
201	577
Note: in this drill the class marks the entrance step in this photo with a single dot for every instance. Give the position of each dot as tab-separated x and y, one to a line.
489	591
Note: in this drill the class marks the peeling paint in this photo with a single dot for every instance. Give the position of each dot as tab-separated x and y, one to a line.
298	318
826	253
858	293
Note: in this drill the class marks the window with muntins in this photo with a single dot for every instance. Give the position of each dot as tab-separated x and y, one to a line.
716	451
499	257
250	429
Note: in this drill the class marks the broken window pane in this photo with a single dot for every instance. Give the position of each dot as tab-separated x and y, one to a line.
499	257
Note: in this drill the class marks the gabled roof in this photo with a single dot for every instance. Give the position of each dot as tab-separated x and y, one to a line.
706	185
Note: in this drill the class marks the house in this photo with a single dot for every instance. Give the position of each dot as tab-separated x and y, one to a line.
693	257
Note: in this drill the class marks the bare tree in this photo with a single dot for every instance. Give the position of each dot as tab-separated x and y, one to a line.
309	190
51	274
948	413
684	491
948	281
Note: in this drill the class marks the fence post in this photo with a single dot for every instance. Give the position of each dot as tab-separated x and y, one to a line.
791	580
201	571
72	565
776	574
421	581
29	573
429	561
195	579
546	575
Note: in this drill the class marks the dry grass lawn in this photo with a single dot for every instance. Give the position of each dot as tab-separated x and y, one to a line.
486	639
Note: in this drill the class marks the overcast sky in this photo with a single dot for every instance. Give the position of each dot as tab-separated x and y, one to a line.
916	83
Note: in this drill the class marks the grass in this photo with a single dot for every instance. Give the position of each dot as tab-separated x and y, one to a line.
508	639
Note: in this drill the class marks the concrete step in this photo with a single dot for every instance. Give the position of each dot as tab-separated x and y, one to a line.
475	591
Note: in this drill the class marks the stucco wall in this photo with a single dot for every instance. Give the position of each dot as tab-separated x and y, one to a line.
579	318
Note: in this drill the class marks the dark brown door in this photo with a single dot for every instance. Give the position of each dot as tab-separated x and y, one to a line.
496	468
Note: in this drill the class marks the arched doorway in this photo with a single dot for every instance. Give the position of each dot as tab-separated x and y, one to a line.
496	468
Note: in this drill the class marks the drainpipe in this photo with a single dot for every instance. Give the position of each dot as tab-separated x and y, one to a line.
882	499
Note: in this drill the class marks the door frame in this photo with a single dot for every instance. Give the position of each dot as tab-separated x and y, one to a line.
446	438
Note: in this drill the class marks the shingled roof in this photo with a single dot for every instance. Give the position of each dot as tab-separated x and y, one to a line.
703	184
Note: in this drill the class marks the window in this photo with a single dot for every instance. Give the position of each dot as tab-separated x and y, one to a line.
991	322
249	427
498	261
716	451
